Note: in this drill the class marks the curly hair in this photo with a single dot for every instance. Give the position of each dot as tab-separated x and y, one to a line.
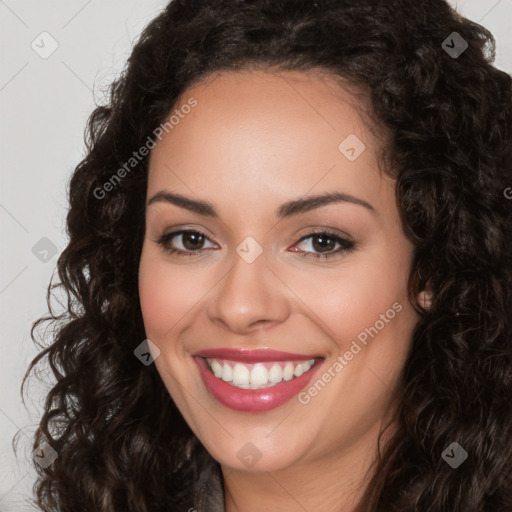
122	444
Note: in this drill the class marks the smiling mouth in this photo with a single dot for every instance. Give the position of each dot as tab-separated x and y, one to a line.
260	375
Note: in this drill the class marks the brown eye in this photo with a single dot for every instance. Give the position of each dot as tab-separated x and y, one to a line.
324	243
191	242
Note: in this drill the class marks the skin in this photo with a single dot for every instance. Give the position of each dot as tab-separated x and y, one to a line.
254	141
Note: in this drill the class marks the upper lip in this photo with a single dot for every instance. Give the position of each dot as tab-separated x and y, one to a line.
253	356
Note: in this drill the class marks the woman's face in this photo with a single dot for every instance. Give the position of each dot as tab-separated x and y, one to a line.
254	278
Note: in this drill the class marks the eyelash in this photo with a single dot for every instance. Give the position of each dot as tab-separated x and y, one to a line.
346	245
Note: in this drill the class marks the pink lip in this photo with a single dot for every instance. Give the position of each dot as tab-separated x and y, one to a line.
254	400
253	356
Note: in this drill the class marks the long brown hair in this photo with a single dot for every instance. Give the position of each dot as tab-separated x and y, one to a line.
122	444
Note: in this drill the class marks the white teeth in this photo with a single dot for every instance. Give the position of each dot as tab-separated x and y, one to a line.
288	372
299	370
217	369
227	373
259	375
275	374
240	375
302	368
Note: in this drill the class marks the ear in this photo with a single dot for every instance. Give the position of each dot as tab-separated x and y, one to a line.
425	299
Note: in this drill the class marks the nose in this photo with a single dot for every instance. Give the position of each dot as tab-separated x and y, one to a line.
249	297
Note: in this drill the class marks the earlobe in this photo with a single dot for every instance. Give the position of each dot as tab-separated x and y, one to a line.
425	299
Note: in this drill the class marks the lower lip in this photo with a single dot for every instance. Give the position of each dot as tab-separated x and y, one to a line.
253	400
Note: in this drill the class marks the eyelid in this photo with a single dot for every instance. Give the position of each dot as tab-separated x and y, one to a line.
322	229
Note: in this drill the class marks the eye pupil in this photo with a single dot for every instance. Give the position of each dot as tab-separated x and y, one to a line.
197	240
324	242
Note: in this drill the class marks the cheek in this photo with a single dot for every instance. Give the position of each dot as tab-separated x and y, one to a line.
348	301
161	303
169	292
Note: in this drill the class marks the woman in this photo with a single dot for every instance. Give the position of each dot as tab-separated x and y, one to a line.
289	269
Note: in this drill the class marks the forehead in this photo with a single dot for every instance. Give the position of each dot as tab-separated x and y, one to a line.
255	133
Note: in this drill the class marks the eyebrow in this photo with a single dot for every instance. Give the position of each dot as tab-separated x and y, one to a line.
288	209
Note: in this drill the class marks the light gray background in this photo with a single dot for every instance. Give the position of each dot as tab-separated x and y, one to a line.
44	106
